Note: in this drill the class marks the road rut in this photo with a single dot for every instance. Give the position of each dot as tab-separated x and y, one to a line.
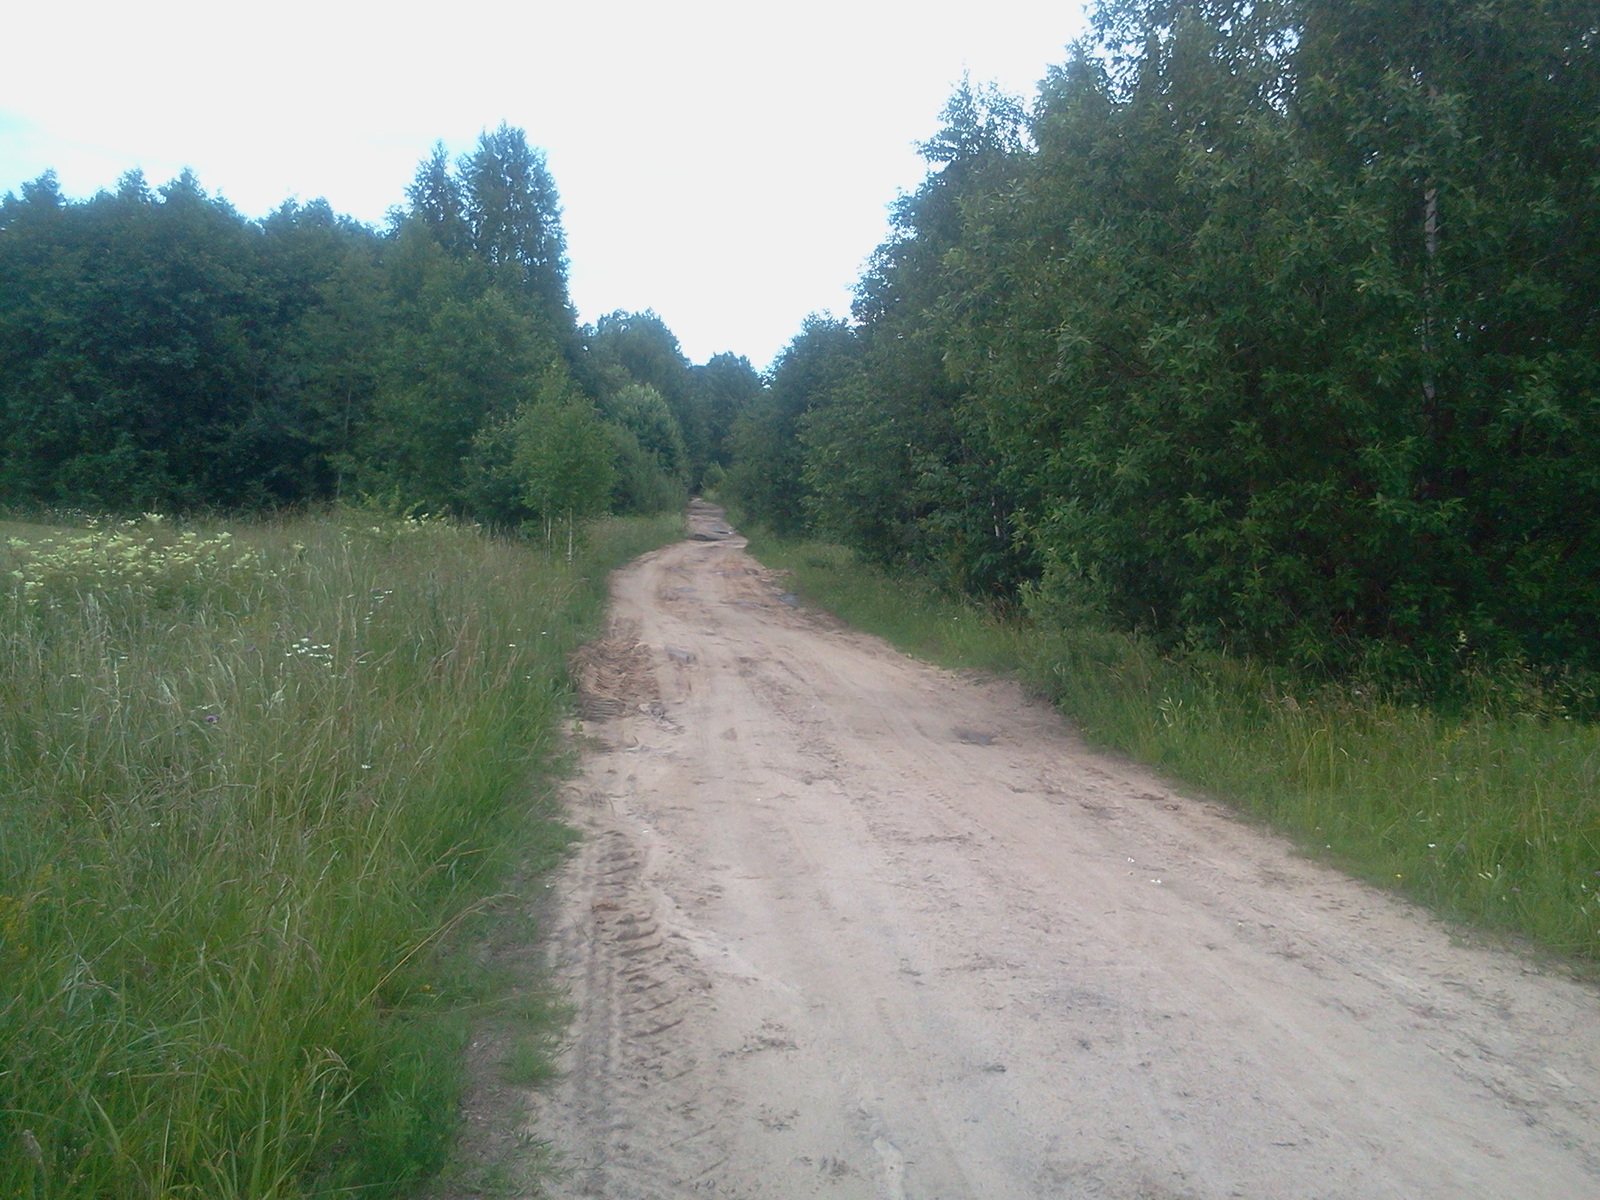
848	925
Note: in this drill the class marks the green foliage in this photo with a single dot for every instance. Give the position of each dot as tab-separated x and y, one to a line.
1268	329
477	312
641	410
437	205
246	797
894	460
565	457
1286	415
625	350
140	335
640	484
158	350
715	477
460	366
494	488
513	217
766	477
727	385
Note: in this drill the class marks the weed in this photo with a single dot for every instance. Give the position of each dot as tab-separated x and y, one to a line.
251	782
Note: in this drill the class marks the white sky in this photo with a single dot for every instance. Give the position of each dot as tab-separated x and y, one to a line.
727	164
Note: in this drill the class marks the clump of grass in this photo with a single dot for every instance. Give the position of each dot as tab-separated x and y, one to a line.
949	630
1487	811
1488	815
250	780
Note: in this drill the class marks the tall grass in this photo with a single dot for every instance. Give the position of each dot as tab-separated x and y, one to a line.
1489	811
248	783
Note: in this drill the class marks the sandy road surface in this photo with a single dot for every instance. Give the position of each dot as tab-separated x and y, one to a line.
846	925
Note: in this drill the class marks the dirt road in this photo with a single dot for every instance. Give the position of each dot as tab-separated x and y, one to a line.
846	925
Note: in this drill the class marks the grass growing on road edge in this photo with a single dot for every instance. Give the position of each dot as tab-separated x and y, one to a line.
1489	815
912	614
251	780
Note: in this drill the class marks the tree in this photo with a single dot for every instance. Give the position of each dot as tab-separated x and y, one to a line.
637	348
564	456
450	370
475	280
726	385
138	335
159	350
640	409
513	217
766	478
897	464
1267	329
437	203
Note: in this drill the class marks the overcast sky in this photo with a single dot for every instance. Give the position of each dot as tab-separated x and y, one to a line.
726	163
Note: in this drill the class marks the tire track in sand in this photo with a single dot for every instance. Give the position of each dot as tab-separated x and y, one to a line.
846	925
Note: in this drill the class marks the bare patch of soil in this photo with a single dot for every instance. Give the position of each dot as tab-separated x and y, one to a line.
614	674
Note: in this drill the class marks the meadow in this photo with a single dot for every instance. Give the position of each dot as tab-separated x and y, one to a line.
254	783
1485	809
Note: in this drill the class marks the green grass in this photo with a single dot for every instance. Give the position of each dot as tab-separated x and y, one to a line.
253	784
1488	813
908	612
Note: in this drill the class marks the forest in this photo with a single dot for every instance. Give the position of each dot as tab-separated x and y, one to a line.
1268	326
159	351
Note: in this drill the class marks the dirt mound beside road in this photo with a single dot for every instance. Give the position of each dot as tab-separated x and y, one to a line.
614	675
847	925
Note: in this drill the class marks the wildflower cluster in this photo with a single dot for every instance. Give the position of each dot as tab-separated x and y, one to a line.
389	530
133	559
314	651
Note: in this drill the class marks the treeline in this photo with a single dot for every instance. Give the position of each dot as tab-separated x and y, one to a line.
1270	324
160	351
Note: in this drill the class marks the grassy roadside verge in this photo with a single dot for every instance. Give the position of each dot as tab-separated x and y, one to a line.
1489	816
250	780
